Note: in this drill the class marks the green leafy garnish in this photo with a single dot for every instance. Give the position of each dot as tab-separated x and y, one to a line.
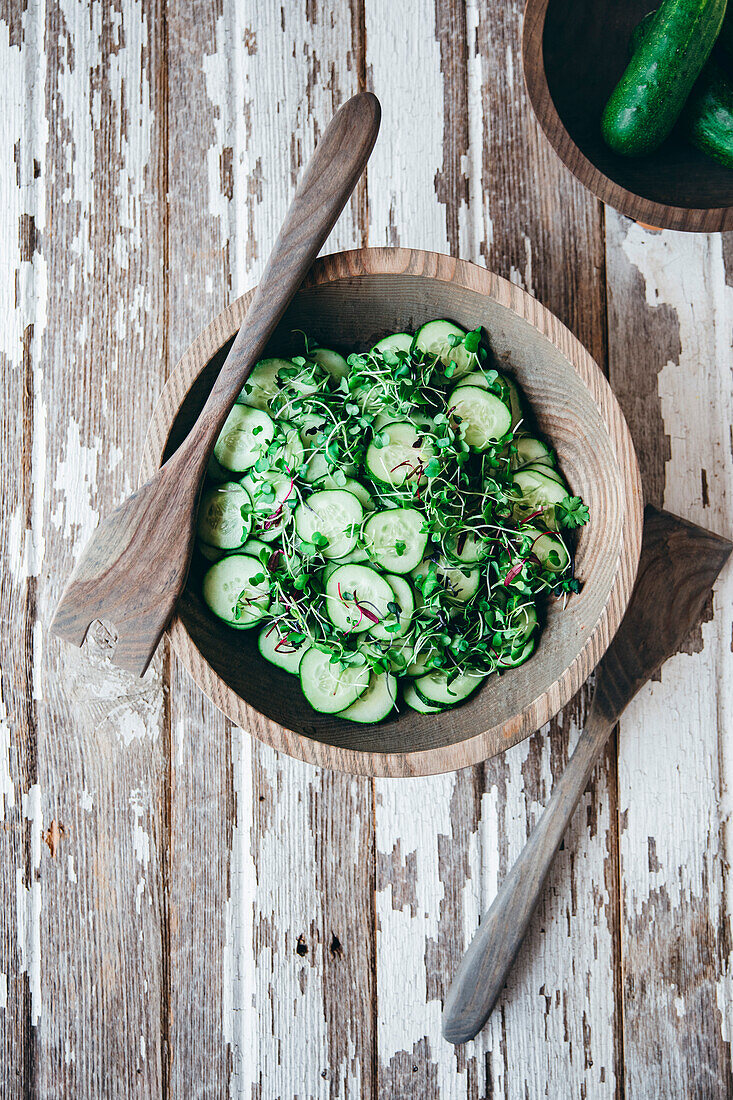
571	512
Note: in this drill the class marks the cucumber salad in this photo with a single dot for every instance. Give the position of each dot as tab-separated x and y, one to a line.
387	522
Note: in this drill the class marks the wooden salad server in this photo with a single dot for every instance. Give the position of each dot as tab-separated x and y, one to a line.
135	566
678	567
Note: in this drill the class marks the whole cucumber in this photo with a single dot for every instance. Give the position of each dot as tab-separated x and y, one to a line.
707	118
648	100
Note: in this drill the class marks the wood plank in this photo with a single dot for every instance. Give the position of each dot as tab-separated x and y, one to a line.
301	912
670	310
101	777
443	844
202	810
22	299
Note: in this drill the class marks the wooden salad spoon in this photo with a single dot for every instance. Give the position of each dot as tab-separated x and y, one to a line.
678	567
135	566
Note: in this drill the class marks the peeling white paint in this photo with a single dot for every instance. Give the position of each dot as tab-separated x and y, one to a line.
76	479
239	979
411	94
28	920
676	838
71	870
7	787
28	902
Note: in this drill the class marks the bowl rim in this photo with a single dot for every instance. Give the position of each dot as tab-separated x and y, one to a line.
402	261
652	214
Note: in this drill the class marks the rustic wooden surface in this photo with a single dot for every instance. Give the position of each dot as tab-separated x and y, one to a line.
184	911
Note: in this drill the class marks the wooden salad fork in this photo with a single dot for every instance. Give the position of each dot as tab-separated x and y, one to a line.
133	570
678	567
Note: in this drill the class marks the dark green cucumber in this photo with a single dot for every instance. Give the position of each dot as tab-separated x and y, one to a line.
649	98
707	119
725	38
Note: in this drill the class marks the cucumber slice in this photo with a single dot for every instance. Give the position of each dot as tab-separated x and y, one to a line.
357	598
398	341
331	361
486	417
405	600
546	469
330	688
236	589
333	513
224	518
255	548
377	701
475	378
550	550
351	485
419	665
434	689
211	553
529	450
522	623
247	433
468	548
279	651
538	492
394	539
433	340
461	582
403	456
270	494
318	467
262	384
358	554
518	657
414	701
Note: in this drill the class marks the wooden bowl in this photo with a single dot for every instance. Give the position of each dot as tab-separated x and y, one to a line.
573	55
349	301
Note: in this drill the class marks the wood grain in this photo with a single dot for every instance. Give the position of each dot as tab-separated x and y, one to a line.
670	308
294	1025
676	187
678	567
99	94
90	898
202	809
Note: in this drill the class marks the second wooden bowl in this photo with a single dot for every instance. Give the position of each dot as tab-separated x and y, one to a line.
349	301
573	55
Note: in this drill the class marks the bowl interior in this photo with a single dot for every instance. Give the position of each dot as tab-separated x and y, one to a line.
585	49
349	314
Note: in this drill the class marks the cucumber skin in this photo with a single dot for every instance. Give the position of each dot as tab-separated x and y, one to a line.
707	119
650	96
708	116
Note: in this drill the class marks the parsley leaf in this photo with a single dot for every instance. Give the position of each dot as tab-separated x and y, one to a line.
571	512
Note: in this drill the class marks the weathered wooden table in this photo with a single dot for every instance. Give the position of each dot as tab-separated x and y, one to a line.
186	913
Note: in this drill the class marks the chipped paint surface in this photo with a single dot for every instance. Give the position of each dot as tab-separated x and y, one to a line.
28	902
239	977
321	917
675	743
